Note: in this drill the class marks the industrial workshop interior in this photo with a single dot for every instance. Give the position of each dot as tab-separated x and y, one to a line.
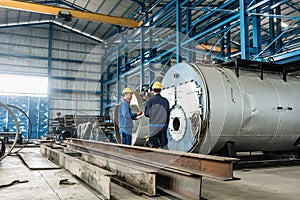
149	99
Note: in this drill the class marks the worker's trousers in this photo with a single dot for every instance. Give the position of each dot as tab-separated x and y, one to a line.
125	137
158	133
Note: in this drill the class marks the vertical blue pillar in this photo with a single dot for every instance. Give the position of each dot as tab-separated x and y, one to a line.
278	29
222	45
244	26
152	55
142	59
272	29
228	42
178	32
50	44
190	54
257	38
102	85
118	83
108	92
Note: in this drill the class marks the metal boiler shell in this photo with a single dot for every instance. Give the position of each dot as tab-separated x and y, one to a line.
141	125
255	114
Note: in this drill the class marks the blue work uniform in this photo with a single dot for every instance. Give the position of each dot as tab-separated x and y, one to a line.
125	117
158	110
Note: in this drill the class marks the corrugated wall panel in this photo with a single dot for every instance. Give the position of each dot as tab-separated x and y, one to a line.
75	72
27	50
75	66
24	50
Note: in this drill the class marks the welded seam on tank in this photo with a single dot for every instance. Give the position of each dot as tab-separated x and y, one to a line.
279	117
207	115
242	102
228	81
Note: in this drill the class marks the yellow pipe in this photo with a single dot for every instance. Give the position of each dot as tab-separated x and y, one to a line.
53	10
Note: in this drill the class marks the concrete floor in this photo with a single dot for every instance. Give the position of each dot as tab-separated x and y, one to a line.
44	184
269	183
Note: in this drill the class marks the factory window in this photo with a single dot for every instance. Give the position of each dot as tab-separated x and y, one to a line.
20	85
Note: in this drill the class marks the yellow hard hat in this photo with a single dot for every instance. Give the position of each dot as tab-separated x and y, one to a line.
127	90
157	85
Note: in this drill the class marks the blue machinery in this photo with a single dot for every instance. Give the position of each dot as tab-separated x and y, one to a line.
188	31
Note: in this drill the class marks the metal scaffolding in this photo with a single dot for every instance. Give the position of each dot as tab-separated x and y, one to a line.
194	31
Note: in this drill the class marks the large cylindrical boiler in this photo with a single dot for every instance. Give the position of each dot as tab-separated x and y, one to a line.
211	106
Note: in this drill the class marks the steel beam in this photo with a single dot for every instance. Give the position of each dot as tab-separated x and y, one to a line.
151	74
96	177
228	42
50	46
84	8
181	162
244	26
287	57
212	13
119	64
53	10
212	29
190	56
257	38
142	60
107	14
278	30
271	29
178	32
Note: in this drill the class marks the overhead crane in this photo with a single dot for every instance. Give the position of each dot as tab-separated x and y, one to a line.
67	12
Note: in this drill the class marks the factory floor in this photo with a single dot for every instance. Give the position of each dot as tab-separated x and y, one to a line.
266	183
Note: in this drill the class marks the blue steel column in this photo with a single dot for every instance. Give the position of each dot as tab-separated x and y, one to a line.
108	92
118	86
244	26
50	43
126	69
190	55
271	28
222	45
278	29
257	39
178	32
142	60
152	55
228	42
101	85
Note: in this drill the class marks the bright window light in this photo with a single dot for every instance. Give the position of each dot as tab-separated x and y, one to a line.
23	85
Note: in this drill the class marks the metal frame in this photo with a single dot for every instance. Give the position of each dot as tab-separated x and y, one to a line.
229	29
224	29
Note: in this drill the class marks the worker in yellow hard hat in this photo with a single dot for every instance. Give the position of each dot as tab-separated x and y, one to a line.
158	110
125	117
